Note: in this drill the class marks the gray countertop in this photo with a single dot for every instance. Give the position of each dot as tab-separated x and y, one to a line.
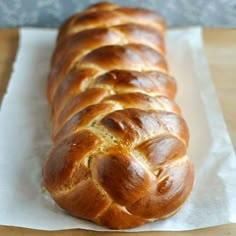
50	13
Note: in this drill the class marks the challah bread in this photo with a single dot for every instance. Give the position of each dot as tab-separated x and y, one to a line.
119	156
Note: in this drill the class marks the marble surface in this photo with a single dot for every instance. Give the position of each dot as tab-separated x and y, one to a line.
50	13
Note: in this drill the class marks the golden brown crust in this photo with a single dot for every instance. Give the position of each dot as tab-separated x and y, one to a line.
116	217
66	157
119	156
127	57
109	16
87	207
169	192
118	173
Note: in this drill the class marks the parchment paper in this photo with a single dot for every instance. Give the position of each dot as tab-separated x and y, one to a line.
25	140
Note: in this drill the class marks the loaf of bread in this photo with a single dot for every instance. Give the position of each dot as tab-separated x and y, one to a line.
119	156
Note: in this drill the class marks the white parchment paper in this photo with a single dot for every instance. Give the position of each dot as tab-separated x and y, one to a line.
25	140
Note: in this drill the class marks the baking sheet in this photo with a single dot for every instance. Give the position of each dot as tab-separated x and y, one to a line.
25	140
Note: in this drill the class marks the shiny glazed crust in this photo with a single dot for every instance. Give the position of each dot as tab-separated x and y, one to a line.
119	156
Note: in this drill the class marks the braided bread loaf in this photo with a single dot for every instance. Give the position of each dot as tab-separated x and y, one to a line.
119	156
